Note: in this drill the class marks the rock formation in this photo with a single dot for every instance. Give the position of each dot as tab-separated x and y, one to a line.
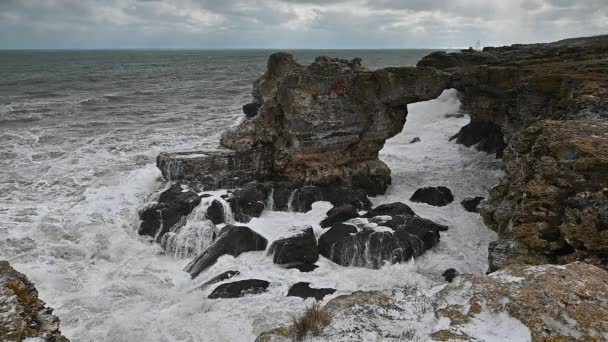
23	316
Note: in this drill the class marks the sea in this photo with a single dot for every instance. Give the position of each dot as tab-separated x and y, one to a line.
79	133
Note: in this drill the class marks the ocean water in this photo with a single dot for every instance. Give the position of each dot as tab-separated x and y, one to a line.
79	131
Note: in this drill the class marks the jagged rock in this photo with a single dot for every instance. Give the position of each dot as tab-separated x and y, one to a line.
471	204
437	196
239	289
444	60
220	277
23	316
251	109
555	303
450	274
321	124
171	208
339	214
232	240
249	201
415	140
304	197
215	212
336	233
303	290
485	136
297	250
390	209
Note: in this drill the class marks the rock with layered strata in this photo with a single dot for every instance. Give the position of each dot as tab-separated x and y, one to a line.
23	316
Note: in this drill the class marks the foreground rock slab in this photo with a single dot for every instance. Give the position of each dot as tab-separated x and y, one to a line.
23	315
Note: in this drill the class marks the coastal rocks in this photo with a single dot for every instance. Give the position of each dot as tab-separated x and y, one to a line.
232	240
471	204
554	303
321	124
450	274
23	316
251	109
485	136
249	201
239	288
437	196
303	290
552	202
171	208
336	233
390	209
339	214
220	277
303	198
297	250
215	212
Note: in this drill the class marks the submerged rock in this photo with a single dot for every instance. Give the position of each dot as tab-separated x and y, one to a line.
23	316
297	250
239	289
471	204
415	140
171	208
232	240
437	196
450	274
221	277
339	214
303	290
485	136
390	209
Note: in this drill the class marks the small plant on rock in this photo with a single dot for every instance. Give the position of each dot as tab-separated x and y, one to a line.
312	321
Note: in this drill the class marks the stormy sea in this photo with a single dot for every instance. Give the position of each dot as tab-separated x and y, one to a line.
79	134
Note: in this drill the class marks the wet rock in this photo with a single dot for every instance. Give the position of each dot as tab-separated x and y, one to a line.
555	303
251	109
303	268
358	298
171	209
297	250
215	212
339	214
390	209
485	136
471	204
221	277
437	196
415	140
454	115
23	316
304	197
450	274
303	290
239	289
336	233
232	240
249	201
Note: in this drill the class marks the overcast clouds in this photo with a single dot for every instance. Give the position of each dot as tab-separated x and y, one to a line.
293	23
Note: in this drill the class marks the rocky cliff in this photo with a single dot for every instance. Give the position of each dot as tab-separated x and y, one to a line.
22	315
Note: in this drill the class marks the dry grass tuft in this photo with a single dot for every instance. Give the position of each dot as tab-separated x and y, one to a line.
312	321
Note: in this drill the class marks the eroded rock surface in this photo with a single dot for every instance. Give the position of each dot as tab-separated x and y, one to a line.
23	316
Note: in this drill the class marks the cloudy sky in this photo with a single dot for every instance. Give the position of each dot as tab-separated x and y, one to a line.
294	23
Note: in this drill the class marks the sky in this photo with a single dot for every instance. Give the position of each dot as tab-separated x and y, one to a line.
272	24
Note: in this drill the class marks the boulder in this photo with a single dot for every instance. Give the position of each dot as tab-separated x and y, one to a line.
415	140
471	204
437	196
232	240
303	198
303	290
249	201
450	274
339	214
23	316
336	233
390	209
220	277
215	212
171	208
239	289
297	250
303	268
485	136
251	109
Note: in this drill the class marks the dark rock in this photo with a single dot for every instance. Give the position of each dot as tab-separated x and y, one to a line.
249	201
415	140
443	60
304	197
390	209
232	240
220	277
454	115
251	109
215	212
336	233
471	204
437	196
303	290
171	209
450	274
300	249
239	289
426	231
339	214
303	268
486	136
